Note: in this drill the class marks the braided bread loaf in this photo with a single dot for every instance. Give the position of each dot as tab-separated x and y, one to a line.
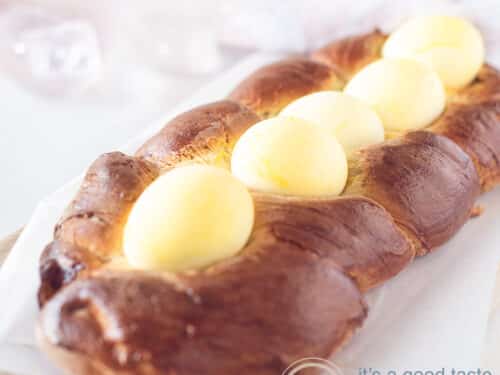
296	289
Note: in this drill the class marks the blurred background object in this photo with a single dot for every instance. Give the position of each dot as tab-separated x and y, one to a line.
79	78
48	52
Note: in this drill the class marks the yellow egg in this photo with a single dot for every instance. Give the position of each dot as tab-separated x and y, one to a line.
353	122
287	155
452	46
406	94
188	218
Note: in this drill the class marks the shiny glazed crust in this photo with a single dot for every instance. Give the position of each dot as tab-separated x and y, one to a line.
272	87
296	289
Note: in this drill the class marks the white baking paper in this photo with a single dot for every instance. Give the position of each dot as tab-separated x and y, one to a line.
491	356
432	315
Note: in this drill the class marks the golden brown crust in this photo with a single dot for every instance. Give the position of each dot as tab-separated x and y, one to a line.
295	290
269	89
476	129
356	233
350	54
90	230
274	303
206	133
427	183
472	120
60	264
94	219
